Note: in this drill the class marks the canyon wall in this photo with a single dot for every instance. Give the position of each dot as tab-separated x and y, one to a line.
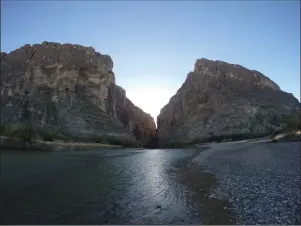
222	99
69	89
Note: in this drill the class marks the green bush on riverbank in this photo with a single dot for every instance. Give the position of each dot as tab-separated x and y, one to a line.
23	132
125	142
28	133
293	122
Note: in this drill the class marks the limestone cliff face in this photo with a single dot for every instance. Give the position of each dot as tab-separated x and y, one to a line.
68	88
219	98
141	124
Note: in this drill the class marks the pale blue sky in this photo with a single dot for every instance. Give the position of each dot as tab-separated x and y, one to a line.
154	44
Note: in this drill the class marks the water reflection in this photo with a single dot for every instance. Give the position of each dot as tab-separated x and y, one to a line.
91	187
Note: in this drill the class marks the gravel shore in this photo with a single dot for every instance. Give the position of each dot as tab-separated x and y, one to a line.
261	180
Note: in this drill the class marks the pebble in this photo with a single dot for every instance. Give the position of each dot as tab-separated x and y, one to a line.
252	190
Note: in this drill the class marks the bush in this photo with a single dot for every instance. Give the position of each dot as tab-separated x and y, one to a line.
93	139
47	135
17	131
2	128
293	122
124	142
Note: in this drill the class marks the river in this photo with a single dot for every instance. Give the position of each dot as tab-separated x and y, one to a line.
126	186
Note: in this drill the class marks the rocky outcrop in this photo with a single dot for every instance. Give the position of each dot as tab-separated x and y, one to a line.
141	124
69	89
222	99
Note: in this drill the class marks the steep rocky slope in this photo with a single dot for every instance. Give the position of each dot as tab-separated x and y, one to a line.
133	118
69	89
222	99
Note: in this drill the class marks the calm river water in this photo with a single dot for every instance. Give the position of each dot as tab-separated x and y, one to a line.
127	186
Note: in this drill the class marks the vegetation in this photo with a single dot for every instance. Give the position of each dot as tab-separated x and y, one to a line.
124	142
290	124
220	138
23	132
47	135
26	137
103	139
28	133
293	122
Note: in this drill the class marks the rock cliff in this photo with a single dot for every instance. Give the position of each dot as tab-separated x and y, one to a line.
69	89
142	125
222	99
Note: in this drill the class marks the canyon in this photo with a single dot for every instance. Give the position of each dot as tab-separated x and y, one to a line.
71	90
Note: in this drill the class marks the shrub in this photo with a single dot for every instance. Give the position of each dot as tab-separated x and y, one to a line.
293	122
2	128
93	139
124	142
48	135
17	131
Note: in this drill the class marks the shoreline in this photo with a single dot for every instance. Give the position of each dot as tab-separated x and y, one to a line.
14	144
199	184
247	170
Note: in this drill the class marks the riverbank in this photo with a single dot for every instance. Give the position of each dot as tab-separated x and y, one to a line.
10	143
284	135
259	179
199	184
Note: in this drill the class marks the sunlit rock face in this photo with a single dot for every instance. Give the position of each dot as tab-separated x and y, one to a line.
141	124
69	88
219	98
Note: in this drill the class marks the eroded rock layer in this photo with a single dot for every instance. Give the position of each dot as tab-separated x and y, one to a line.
219	99
66	88
142	125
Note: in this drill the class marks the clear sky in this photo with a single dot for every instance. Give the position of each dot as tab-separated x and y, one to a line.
154	44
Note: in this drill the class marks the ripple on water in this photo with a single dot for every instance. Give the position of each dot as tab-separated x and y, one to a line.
98	187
